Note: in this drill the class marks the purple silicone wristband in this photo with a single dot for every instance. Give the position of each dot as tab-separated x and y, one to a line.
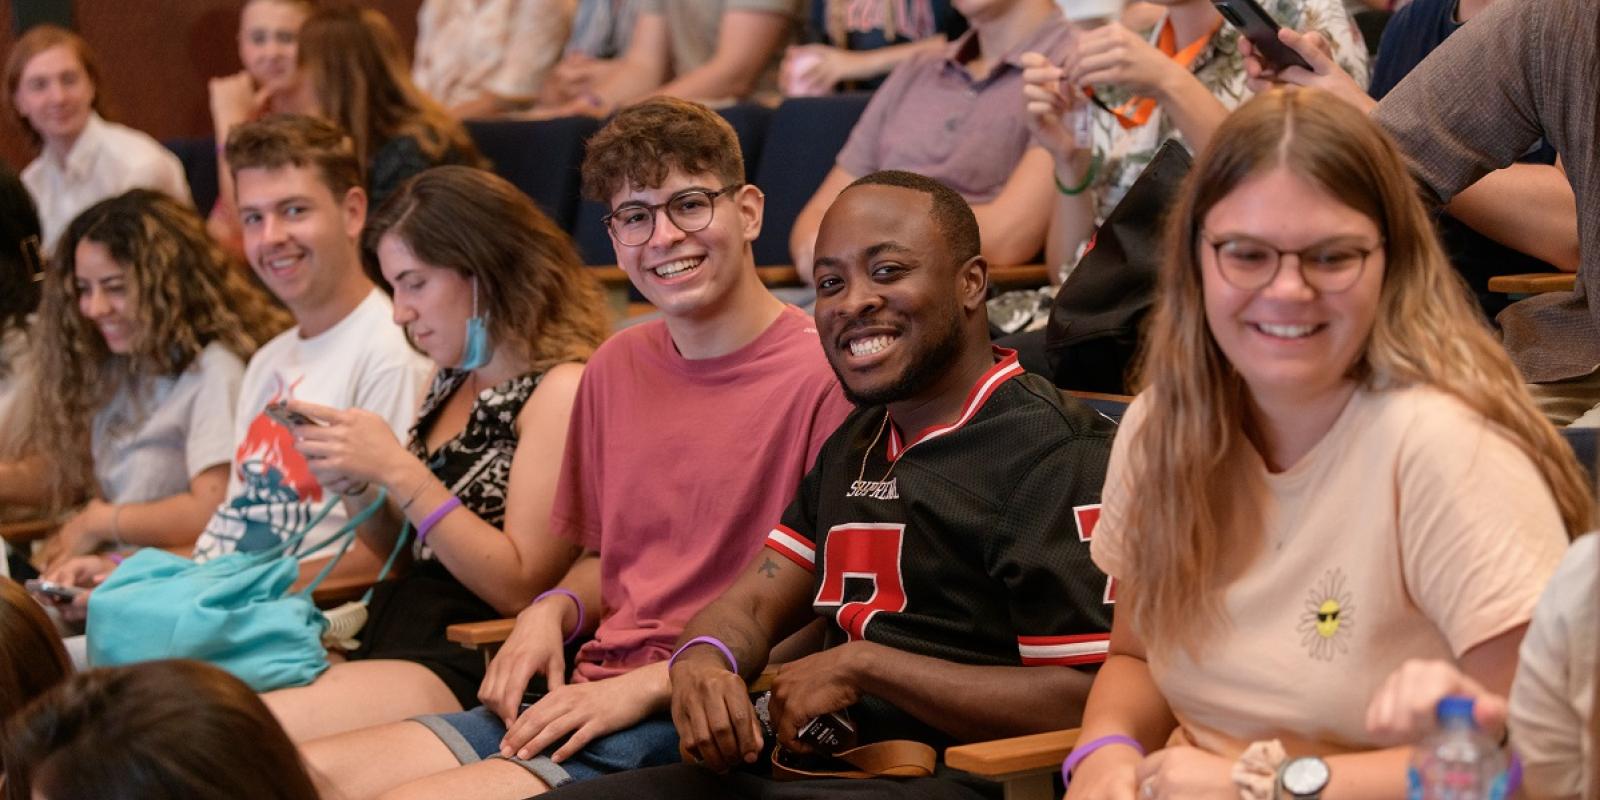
433	519
1513	776
1082	752
733	663
575	601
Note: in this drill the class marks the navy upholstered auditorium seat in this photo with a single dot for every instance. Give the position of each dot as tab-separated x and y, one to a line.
541	158
1585	443
199	159
804	137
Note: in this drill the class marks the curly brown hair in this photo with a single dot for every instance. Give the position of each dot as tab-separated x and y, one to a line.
647	140
540	298
184	293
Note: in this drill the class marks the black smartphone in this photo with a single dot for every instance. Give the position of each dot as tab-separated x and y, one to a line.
287	418
54	591
1262	30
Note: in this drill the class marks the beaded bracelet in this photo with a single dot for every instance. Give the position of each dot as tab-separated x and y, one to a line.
575	601
1083	751
733	663
433	519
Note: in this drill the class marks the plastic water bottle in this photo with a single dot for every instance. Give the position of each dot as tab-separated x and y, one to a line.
1458	761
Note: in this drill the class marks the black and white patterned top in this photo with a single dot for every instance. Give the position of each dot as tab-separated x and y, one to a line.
476	464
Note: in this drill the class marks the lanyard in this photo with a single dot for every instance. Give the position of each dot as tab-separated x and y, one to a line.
1137	111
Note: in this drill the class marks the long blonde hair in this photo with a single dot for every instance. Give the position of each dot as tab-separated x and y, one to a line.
1427	332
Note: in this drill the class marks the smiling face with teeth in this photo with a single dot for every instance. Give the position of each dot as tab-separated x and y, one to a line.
302	241
1288	340
104	296
896	316
693	274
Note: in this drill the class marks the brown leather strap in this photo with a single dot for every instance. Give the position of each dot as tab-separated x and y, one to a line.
896	758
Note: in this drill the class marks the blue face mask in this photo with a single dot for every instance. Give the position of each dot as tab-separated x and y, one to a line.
476	352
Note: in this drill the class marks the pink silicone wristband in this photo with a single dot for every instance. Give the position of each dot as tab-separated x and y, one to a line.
733	663
1083	751
433	519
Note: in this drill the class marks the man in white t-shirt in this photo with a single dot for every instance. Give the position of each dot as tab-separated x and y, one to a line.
301	207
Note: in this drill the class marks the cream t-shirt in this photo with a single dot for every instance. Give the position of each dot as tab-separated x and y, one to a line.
1414	529
1553	696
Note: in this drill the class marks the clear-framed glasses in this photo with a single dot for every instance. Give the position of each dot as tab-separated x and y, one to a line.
633	224
1251	264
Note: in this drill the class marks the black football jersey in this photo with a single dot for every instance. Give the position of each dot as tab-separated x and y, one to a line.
968	542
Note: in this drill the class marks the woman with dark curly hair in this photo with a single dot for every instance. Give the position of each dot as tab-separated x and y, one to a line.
140	343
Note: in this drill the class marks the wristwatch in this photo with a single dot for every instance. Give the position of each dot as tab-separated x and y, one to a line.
1303	778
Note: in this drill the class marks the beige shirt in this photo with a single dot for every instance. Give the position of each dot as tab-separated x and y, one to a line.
1411	530
693	26
1552	699
504	47
107	160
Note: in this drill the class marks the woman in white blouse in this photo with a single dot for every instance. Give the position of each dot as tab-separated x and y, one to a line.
53	84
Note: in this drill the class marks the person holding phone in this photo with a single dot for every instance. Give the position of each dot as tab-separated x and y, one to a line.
493	292
140	343
1141	87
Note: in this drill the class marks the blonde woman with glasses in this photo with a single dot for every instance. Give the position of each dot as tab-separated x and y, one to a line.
1332	468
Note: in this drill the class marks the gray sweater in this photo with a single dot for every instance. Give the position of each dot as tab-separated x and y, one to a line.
1521	70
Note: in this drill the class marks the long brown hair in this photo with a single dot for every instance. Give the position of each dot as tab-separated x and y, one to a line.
37	40
540	298
171	729
358	72
32	659
185	294
1427	332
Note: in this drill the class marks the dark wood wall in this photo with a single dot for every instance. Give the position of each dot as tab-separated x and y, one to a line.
157	56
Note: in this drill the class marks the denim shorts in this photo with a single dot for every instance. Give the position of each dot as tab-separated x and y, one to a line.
475	735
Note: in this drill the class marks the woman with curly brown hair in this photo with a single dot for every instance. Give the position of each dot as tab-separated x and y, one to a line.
494	293
353	71
140	343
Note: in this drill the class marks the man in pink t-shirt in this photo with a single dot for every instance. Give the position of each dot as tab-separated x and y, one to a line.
688	438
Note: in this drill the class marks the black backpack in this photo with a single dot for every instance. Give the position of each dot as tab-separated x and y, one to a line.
1094	325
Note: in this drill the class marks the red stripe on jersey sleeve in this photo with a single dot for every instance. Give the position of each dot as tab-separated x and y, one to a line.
1069	651
785	542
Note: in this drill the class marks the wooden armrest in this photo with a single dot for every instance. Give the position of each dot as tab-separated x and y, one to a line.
1005	757
28	530
336	590
1100	396
1025	276
475	635
1534	283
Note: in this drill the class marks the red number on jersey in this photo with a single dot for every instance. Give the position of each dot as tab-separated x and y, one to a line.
862	550
1087	517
